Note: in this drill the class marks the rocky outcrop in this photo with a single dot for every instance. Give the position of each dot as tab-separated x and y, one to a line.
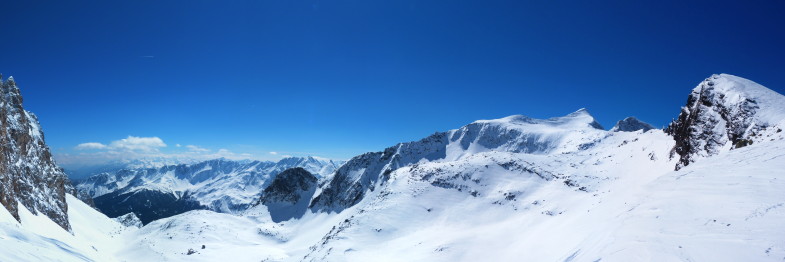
722	112
28	173
352	180
289	194
129	220
631	124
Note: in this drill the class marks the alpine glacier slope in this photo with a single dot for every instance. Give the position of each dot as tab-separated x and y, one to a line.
510	189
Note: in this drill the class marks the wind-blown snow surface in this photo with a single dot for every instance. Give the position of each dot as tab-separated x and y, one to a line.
510	189
94	236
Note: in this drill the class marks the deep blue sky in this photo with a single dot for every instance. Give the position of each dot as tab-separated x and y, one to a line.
338	78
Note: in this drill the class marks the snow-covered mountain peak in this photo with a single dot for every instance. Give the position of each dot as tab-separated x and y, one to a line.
576	120
156	162
522	134
295	160
630	124
513	134
580	112
734	90
725	112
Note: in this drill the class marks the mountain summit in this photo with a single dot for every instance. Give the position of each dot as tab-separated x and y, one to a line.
630	124
724	112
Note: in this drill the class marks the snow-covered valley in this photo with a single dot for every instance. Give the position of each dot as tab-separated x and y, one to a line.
707	188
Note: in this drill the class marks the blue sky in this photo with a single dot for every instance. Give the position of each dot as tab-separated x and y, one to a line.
339	78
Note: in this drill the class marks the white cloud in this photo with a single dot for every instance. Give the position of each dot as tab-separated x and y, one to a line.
194	148
133	143
224	151
133	147
90	145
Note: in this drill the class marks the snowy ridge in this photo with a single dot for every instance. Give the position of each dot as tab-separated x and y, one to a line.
80	172
516	134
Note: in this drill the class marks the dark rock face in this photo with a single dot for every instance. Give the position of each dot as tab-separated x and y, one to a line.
147	205
631	124
709	121
28	173
286	186
289	194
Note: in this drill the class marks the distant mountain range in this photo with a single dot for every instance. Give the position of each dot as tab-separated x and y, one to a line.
83	171
220	185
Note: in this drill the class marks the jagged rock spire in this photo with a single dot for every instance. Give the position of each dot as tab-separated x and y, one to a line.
28	174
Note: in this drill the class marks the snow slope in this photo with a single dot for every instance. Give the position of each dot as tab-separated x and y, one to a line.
94	237
619	200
